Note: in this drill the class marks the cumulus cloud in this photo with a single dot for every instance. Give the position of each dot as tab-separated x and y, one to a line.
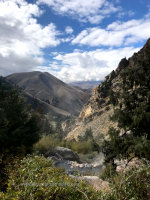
92	11
88	65
69	30
115	34
21	37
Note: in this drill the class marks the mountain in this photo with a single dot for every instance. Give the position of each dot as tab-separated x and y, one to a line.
50	93
85	84
96	113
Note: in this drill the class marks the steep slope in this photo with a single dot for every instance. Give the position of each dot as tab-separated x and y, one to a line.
50	91
96	113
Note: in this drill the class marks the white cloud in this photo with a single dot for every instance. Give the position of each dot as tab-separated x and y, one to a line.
89	65
69	30
130	13
14	63
21	37
92	11
116	34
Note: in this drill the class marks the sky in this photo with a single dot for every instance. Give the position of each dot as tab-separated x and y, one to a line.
74	40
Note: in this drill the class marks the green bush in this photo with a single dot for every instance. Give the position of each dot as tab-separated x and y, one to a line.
83	147
131	185
36	178
46	143
108	173
49	142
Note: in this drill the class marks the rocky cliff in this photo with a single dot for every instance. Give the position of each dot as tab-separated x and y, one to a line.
96	113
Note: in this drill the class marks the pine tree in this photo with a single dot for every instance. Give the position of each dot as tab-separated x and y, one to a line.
18	128
132	112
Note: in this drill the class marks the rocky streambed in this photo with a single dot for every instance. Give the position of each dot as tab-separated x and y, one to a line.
73	165
78	169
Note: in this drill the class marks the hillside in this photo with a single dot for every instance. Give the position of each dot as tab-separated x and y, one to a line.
96	113
50	93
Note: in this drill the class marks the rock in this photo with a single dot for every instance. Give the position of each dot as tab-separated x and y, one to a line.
124	165
62	153
73	167
100	99
94	181
123	64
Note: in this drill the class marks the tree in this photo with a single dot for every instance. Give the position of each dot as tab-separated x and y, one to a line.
18	126
132	112
59	130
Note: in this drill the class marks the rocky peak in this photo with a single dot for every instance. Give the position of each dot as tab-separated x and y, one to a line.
122	65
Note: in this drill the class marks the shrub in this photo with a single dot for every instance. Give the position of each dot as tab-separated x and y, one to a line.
36	178
46	143
108	173
131	185
49	142
83	147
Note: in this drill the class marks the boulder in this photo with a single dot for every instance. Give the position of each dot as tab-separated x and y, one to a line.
62	153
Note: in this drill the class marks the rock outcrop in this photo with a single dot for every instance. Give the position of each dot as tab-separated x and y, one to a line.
96	113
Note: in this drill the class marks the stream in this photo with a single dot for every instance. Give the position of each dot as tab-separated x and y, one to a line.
72	167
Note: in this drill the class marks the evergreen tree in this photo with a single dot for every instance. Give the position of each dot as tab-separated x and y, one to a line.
59	130
132	112
18	128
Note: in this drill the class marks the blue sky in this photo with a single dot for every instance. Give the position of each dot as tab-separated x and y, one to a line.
75	40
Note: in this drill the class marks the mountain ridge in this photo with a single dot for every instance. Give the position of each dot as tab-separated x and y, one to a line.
50	91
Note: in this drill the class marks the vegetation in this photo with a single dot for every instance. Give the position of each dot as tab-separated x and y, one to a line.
132	138
82	147
108	173
133	184
132	112
18	127
85	145
47	143
36	178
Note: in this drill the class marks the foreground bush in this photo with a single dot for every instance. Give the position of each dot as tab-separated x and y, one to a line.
36	178
131	185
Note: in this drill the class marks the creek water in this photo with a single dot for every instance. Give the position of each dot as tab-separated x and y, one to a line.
72	167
